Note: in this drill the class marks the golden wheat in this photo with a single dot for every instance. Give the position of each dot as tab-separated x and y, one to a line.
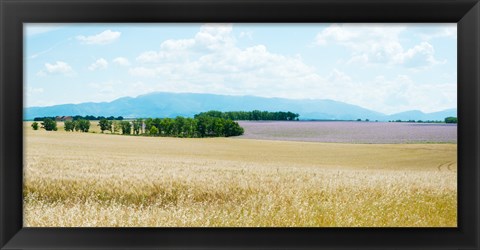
85	179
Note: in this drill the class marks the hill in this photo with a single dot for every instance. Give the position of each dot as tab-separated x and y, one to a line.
163	104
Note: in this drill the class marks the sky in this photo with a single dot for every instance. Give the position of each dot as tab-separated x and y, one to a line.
387	68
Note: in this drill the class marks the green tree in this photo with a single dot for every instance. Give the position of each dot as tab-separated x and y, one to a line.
202	123
49	124
126	127
167	127
218	127
148	124
35	125
105	124
137	126
451	120
190	127
115	128
83	125
179	128
153	131
232	128
69	126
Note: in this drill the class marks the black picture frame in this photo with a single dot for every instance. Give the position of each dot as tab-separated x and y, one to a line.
13	13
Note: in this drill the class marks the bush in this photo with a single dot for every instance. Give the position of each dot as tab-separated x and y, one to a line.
153	130
105	124
126	127
49	124
83	125
35	125
69	126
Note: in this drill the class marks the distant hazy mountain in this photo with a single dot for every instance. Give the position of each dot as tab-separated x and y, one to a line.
419	115
161	104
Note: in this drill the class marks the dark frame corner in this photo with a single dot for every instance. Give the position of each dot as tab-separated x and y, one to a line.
13	13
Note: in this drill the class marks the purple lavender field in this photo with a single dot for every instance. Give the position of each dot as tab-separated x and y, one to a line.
350	132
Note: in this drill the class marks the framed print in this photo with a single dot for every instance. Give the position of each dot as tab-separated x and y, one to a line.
239	124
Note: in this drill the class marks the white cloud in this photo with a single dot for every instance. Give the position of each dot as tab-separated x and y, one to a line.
420	56
215	36
33	91
149	56
122	61
98	64
177	45
58	67
204	64
105	37
378	44
170	50
337	33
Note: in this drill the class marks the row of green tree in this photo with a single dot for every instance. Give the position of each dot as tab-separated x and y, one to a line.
446	120
204	126
79	117
255	115
177	127
51	125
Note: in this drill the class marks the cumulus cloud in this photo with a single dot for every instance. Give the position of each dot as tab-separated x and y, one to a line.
212	62
212	56
170	50
378	44
98	64
102	38
59	67
122	61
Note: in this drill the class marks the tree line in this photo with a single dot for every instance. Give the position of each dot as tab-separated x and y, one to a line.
204	126
50	124
446	120
255	115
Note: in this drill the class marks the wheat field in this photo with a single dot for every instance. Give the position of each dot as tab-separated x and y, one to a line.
91	180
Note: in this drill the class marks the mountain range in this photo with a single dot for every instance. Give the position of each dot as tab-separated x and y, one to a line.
163	104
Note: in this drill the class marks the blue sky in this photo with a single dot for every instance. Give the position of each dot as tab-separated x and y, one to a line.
384	67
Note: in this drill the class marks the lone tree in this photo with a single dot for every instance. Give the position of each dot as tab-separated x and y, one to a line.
69	126
49	124
35	125
105	124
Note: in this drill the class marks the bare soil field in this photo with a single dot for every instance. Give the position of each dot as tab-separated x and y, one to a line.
350	132
74	179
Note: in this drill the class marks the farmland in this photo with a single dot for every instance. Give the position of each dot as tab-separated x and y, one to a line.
351	132
276	174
